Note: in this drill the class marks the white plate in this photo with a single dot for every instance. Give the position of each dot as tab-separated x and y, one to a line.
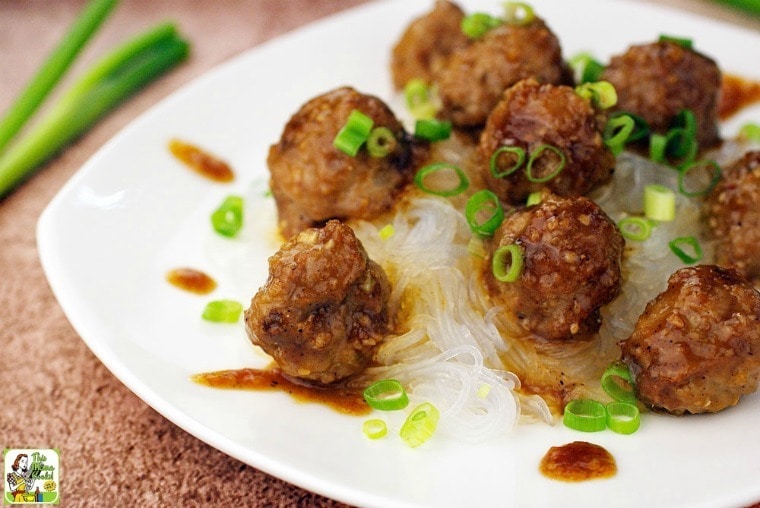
133	212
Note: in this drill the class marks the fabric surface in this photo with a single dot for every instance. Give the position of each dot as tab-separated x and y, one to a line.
54	392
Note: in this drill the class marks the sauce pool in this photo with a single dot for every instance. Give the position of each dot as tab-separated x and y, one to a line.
578	461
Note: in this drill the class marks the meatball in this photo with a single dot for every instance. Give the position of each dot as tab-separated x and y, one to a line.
733	216
312	181
426	44
658	80
696	347
472	81
323	309
571	267
531	114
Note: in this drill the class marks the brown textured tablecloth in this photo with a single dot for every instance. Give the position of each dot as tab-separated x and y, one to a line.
115	450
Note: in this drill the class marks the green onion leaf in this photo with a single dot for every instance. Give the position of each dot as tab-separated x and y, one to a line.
431	129
659	203
106	84
601	93
687	249
617	382
623	418
585	415
484	201
585	68
374	428
507	263
552	171
381	142
227	219
354	133
518	13
513	154
386	395
442	169
222	311
684	42
635	228
420	424
750	131
477	24
692	172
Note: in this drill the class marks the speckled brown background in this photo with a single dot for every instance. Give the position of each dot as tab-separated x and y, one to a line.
112	443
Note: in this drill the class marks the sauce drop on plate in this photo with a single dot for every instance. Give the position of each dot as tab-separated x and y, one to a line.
341	398
191	280
737	93
578	461
203	163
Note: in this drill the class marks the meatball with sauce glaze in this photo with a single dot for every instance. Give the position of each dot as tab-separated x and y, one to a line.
571	255
532	114
733	216
473	80
323	309
312	181
658	80
696	347
427	43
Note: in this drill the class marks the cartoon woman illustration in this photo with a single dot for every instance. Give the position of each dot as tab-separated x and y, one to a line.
20	480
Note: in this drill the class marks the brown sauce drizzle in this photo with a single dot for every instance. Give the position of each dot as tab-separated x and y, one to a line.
201	162
735	94
578	461
192	280
338	397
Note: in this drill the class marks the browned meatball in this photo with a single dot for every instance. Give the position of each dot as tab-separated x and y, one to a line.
658	80
733	215
532	114
571	267
312	181
696	347
426	44
323	309
474	78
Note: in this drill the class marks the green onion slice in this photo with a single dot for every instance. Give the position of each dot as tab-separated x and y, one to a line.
381	142
659	203
419	99
484	202
518	13
553	171
586	68
507	263
617	382
691	172
534	198
445	168
497	160
420	424
687	249
374	428
750	132
601	93
477	24
222	311
585	415
641	126
684	42
386	231
617	132
386	395
227	219
431	129
354	133
635	228
623	418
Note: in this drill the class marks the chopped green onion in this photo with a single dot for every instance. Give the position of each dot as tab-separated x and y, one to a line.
56	65
684	42
585	68
374	428
476	248
711	166
442	167
534	198
507	263
534	156
477	24
640	129
484	201
222	311
518	13
635	228
601	93
659	203
678	146
107	83
420	424
354	133
419	99
617	132
750	131
227	219
381	142
623	418
386	395
691	244
618	383
585	415
483	390
497	157
431	129
386	231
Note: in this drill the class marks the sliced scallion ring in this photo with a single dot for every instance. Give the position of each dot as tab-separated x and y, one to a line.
623	418
484	202
601	93
536	154
750	132
441	167
684	42
504	152
659	203
586	68
617	132
222	311
354	133
617	382
690	169
374	428
507	263
534	198
420	424
477	24
635	228
585	415
641	127
431	129
687	249
419	98
518	13
227	219
381	142
386	395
